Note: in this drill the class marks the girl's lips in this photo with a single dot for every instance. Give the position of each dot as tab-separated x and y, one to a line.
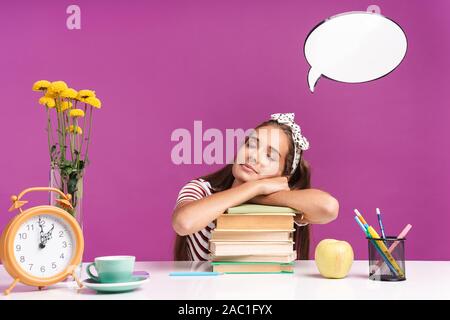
248	168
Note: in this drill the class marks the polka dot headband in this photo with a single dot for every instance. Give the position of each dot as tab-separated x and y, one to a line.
300	142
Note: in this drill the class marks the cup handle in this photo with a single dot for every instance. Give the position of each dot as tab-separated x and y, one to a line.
95	278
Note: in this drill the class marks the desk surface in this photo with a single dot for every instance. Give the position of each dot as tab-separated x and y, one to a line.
425	280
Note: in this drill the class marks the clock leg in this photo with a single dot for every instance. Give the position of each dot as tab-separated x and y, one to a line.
77	280
7	291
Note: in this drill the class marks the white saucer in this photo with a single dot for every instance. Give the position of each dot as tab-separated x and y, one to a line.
115	287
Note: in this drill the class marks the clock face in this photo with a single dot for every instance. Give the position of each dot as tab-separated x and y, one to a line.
44	246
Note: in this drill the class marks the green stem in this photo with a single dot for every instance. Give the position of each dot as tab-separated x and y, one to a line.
76	136
64	133
84	128
71	143
49	131
89	134
48	134
76	156
59	133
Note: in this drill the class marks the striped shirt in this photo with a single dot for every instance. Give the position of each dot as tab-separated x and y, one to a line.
198	242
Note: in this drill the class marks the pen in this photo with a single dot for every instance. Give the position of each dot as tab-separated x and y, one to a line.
380	223
195	273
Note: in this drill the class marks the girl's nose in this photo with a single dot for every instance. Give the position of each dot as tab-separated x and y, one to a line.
262	159
252	157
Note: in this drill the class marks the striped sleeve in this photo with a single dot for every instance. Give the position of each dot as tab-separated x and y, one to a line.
193	190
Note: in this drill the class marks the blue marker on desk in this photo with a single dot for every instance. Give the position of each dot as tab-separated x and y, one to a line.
195	273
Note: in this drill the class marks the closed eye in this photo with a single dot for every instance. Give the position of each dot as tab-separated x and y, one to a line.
273	154
252	142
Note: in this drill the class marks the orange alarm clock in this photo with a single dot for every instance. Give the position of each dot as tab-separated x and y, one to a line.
42	245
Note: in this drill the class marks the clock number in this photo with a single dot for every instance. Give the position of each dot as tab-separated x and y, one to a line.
62	256
22	236
30	227
61	234
42	268
31	266
53	265
18	247
22	259
64	244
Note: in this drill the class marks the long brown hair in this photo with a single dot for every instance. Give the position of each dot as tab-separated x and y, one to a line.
223	179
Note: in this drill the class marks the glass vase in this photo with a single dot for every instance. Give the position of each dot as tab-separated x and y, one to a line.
69	184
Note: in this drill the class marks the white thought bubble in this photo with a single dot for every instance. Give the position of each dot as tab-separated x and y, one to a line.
354	47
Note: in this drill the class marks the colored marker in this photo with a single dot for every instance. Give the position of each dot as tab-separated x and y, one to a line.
364	222
361	226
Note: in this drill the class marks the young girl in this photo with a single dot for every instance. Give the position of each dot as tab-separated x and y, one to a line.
271	172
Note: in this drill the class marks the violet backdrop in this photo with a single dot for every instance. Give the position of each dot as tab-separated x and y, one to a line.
160	65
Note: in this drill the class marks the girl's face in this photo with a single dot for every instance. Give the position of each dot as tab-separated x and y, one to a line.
263	155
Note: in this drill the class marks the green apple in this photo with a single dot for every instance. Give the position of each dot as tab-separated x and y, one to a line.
334	258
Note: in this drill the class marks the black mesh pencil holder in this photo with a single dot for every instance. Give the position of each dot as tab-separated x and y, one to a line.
387	259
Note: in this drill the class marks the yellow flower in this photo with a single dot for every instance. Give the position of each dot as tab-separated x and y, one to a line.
41	85
50	95
83	94
75	129
65	105
93	101
69	93
47	101
57	87
75	113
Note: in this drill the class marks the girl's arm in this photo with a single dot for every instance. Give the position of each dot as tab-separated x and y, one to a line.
317	206
192	216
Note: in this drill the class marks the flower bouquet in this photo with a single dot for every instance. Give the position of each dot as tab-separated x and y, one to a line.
69	126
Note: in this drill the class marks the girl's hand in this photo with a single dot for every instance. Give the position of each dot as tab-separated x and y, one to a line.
271	185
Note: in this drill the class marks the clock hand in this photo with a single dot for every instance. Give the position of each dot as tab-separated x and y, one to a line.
47	236
41	225
41	234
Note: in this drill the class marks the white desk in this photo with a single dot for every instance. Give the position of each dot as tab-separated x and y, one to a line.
425	280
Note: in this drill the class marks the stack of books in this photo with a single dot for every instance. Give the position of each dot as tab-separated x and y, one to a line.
254	238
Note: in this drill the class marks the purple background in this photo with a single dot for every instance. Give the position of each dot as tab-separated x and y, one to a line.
160	65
